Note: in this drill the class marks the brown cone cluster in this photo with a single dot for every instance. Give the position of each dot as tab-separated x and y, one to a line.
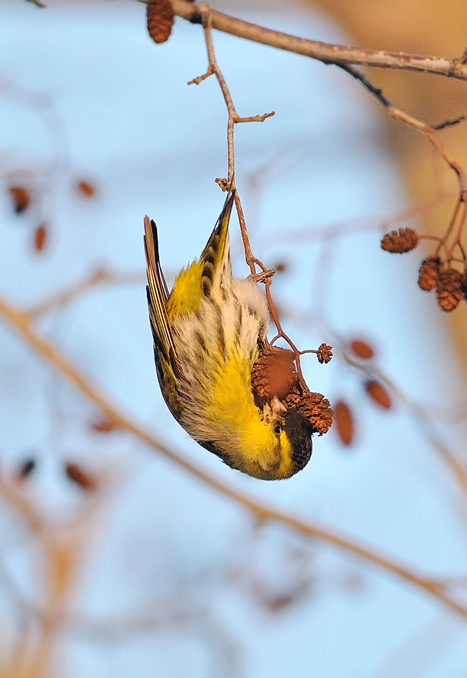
434	274
450	284
160	18
274	375
400	241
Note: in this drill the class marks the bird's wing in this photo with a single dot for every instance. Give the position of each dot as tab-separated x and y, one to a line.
158	295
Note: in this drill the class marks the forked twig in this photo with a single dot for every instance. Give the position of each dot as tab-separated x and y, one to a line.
233	117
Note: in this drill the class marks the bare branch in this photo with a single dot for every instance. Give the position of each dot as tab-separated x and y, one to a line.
322	51
101	277
204	14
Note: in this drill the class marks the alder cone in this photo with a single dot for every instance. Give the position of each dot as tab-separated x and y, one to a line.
400	241
378	394
274	374
428	273
314	407
344	422
160	18
449	289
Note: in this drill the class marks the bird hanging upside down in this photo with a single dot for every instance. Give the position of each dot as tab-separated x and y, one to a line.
209	333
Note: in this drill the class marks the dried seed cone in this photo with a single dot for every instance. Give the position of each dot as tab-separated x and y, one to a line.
314	407
402	240
344	422
428	273
274	374
160	19
449	289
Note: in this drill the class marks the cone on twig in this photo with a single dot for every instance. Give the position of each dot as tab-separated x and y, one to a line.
274	374
160	18
400	241
449	289
428	273
324	353
314	407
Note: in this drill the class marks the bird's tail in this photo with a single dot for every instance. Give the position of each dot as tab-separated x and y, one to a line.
215	258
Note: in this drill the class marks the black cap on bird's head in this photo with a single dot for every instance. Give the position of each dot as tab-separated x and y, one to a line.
298	430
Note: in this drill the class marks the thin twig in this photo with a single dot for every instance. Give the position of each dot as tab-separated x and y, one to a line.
233	117
101	277
416	124
450	123
428	131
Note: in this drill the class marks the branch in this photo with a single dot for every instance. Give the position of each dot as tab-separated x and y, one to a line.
213	69
322	51
100	277
22	324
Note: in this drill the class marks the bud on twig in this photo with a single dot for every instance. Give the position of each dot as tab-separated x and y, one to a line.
80	477
40	237
362	349
378	394
324	353
21	198
344	422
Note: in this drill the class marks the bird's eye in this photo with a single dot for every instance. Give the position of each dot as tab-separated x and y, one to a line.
277	429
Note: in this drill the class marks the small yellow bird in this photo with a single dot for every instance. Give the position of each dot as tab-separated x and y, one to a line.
208	333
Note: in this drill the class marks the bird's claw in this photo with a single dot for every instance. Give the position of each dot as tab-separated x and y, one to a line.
261	277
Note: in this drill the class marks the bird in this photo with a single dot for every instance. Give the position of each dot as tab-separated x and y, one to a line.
208	333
